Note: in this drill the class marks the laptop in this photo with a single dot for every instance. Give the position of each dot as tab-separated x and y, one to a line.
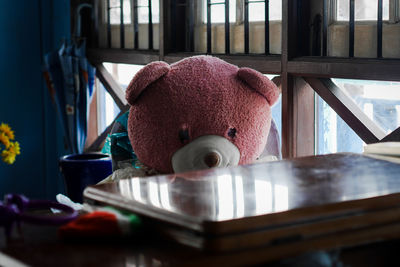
321	201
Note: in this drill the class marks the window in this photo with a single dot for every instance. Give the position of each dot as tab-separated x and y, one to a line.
328	32
379	100
276	110
143	11
218	11
115	11
332	133
256	11
243	37
364	10
136	31
106	107
366	36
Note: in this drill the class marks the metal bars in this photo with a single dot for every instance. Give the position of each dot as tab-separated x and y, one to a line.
351	29
246	26
208	26
247	23
351	26
122	26
134	15
150	27
379	30
108	25
227	38
135	24
266	25
227	28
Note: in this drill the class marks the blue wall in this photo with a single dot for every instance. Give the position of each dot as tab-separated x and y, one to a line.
29	29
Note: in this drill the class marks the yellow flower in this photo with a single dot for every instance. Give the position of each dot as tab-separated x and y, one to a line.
4	140
7	130
8	156
8	149
14	148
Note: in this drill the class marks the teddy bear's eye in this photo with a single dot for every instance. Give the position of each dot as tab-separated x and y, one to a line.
232	132
184	135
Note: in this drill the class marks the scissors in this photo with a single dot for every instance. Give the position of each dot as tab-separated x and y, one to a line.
16	208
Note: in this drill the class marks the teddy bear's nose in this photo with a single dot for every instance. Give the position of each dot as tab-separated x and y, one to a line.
212	159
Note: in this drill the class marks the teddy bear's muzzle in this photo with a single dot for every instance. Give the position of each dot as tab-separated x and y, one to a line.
205	152
212	159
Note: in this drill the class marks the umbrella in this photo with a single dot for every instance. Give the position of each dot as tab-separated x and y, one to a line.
70	80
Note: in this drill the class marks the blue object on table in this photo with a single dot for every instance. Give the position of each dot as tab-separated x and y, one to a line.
14	210
118	145
82	170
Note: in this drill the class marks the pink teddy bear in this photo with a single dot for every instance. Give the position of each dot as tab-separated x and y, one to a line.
200	112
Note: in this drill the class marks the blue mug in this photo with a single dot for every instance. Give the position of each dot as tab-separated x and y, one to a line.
82	170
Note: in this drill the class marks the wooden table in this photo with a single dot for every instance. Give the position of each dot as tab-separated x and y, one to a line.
373	242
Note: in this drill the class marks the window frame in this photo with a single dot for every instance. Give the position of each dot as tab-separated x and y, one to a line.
300	77
239	14
394	14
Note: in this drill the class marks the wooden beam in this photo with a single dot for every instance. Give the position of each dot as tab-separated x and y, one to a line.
289	122
304	113
393	136
263	64
368	69
347	109
126	56
112	87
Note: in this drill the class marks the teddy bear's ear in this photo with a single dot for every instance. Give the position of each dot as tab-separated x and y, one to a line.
148	74
260	83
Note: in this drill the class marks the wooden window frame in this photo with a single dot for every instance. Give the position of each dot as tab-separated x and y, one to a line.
300	77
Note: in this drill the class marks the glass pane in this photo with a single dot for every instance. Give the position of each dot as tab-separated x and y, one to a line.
127	12
276	111
218	11
107	110
115	15
155	11
122	73
380	100
256	11
275	10
364	10
342	10
115	12
333	134
114	3
143	11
